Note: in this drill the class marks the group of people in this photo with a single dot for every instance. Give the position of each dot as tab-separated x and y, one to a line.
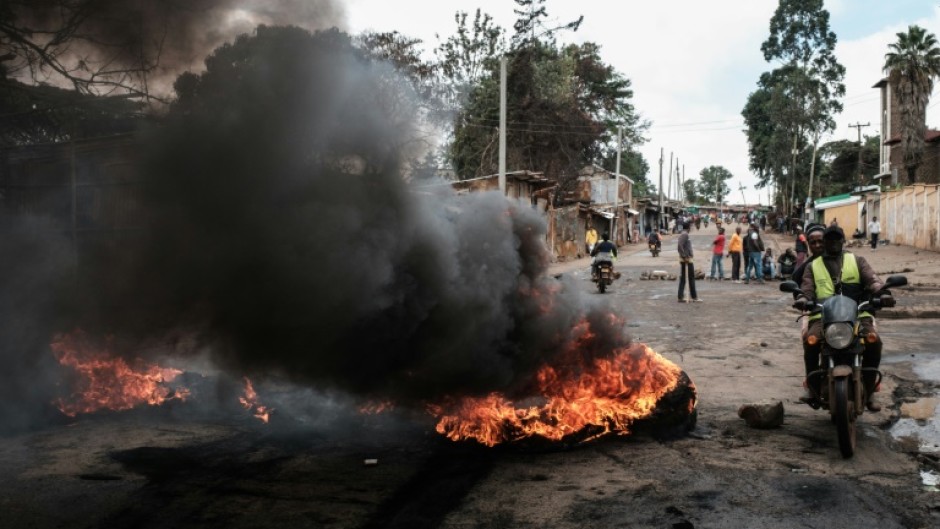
822	268
759	262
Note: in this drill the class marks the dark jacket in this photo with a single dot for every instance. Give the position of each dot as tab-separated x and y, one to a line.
604	246
685	246
753	244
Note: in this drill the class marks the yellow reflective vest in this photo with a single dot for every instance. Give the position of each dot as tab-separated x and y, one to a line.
825	288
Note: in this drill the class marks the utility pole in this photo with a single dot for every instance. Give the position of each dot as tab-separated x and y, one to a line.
858	127
678	184
682	184
669	179
788	206
743	200
616	185
659	222
502	125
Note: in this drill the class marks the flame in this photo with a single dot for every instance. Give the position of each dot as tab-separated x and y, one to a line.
250	402
106	381
376	408
604	394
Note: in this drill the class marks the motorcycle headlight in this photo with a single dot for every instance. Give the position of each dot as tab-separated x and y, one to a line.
839	335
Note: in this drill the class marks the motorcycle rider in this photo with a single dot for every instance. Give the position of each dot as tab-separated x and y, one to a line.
603	252
655	241
838	271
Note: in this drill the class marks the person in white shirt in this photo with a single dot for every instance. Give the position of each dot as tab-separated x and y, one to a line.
874	230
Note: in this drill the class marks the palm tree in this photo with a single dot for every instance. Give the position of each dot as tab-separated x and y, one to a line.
912	64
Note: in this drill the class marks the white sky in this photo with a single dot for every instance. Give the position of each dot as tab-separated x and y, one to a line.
692	63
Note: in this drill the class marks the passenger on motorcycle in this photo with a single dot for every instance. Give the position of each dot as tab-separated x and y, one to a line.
603	252
840	271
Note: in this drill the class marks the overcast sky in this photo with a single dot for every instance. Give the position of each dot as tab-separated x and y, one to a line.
692	63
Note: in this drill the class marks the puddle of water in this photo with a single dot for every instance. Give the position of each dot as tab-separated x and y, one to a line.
927	366
921	422
931	480
926	433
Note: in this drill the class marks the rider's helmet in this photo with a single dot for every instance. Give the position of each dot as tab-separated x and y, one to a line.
605	236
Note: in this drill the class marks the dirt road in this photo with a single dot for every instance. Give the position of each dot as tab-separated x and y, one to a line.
741	345
157	469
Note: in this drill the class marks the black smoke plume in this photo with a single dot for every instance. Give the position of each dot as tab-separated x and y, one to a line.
117	40
282	237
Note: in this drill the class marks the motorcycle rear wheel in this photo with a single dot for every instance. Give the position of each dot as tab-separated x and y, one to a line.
843	415
601	285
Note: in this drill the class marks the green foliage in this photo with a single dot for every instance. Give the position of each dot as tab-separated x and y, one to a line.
796	102
912	65
564	105
46	114
690	190
633	165
839	169
467	56
713	187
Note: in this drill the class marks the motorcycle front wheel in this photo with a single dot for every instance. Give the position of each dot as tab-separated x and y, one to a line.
843	415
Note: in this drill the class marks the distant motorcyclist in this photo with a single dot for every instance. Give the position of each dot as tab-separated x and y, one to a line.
603	252
654	240
841	272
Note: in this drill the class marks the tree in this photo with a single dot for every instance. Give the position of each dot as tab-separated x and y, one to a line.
690	189
564	104
713	186
796	102
465	57
633	165
530	26
94	46
839	164
800	37
912	64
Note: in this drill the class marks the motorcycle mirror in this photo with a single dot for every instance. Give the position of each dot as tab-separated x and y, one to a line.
896	281
791	286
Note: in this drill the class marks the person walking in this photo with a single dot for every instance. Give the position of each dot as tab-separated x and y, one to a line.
754	253
687	269
718	252
874	228
590	239
735	246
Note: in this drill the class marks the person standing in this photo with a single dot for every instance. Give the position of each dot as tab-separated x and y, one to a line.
590	239
874	228
753	252
801	246
735	246
687	269
718	252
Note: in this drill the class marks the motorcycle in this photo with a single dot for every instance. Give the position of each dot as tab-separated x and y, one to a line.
838	381
603	272
655	247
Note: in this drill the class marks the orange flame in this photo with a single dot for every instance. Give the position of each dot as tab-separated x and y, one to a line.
605	394
250	402
106	381
376	408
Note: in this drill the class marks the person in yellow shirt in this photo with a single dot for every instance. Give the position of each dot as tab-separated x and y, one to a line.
735	247
590	239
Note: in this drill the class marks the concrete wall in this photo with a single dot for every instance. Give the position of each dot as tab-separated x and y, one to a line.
847	216
911	216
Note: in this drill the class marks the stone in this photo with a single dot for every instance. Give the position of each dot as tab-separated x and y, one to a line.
763	415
